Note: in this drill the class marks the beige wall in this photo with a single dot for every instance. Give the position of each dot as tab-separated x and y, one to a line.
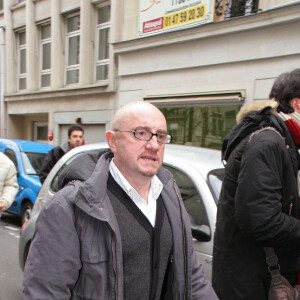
130	25
242	54
42	9
69	5
15	127
130	17
269	4
19	15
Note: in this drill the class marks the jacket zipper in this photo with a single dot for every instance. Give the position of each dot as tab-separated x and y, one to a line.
114	265
184	240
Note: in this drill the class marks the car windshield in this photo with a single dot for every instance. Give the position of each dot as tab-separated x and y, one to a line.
215	180
32	162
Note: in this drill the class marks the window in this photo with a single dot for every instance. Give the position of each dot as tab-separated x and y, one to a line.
215	180
22	60
54	183
12	156
236	8
103	28
203	126
32	162
191	197
45	50
40	132
73	43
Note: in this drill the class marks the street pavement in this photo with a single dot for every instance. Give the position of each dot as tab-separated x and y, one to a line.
11	275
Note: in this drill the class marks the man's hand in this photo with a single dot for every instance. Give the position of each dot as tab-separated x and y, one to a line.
3	205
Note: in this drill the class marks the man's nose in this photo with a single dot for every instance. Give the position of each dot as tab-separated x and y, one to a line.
153	143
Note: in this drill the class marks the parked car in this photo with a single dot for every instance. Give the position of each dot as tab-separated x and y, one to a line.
28	157
198	173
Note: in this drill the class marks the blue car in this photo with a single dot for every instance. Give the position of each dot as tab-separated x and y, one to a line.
28	157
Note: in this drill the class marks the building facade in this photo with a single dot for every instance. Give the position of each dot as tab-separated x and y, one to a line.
197	60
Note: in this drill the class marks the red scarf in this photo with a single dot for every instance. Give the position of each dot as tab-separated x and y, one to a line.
292	121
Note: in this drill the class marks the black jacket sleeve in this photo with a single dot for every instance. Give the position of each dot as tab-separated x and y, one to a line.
49	161
262	198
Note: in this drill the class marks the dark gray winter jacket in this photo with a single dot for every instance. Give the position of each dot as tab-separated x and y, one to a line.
77	253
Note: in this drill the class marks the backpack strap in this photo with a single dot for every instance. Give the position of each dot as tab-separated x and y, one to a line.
273	266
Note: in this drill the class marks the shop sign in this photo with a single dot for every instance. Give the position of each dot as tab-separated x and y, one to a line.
156	16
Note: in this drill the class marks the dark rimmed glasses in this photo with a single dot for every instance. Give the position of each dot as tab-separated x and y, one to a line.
146	135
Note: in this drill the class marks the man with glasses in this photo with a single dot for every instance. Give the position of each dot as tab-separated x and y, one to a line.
123	233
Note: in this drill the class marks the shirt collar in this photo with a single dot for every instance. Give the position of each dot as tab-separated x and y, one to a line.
155	188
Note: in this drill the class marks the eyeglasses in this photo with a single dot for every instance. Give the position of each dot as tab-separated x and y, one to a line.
146	135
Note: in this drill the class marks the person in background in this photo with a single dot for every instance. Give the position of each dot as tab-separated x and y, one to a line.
287	85
75	139
8	182
124	232
259	204
287	88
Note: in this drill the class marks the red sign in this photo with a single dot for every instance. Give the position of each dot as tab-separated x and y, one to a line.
153	25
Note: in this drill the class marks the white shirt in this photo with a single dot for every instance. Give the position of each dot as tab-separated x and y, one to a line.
149	210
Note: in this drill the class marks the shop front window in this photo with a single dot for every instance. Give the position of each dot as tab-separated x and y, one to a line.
203	126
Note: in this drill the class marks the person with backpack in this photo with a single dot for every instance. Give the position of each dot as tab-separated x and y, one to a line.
259	204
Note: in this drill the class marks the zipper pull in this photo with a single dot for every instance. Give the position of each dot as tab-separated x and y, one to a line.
291	207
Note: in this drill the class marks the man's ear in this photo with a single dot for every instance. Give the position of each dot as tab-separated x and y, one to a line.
110	137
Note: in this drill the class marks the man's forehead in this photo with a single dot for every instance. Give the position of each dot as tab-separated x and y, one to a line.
144	123
150	128
76	132
137	114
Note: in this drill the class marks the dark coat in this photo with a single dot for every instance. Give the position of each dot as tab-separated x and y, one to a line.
76	252
258	207
51	159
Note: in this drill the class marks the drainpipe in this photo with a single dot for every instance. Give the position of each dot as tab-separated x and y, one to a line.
2	84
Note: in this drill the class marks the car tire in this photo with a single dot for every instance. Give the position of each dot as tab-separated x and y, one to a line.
26	212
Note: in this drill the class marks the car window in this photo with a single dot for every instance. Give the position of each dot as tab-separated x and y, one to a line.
54	183
191	198
32	162
12	156
215	180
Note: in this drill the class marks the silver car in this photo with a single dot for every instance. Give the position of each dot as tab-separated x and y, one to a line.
198	173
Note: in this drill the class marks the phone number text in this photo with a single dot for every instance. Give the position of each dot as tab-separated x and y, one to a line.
185	16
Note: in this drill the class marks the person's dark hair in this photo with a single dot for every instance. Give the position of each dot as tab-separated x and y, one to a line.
75	127
285	88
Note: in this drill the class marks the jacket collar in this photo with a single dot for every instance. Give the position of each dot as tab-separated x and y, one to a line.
65	147
92	196
254	116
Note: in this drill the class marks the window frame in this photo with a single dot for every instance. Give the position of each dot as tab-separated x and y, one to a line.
36	126
12	155
43	42
99	27
21	47
192	207
69	35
